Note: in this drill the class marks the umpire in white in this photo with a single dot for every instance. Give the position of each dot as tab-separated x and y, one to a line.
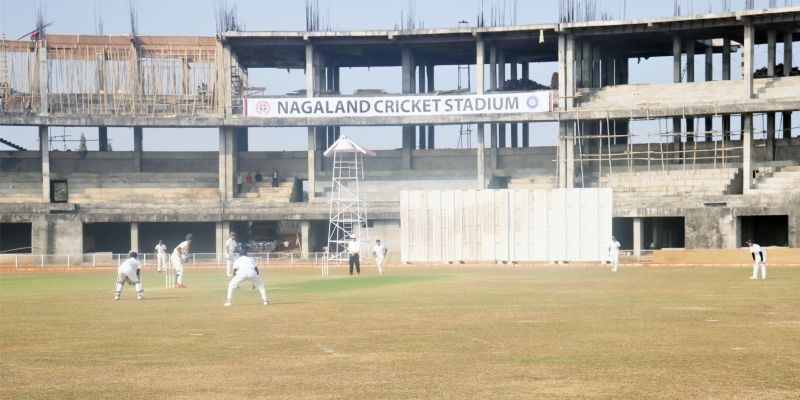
130	271
245	269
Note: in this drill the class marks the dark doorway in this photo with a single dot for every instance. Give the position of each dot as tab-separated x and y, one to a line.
15	238
204	235
766	230
664	232
622	229
114	237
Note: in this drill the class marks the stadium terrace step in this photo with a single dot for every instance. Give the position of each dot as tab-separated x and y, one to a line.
697	182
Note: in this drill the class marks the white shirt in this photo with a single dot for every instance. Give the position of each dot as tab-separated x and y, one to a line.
613	249
130	265
379	250
231	245
181	249
243	263
239	179
755	249
353	247
161	249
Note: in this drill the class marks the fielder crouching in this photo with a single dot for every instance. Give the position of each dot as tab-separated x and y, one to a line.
130	270
245	269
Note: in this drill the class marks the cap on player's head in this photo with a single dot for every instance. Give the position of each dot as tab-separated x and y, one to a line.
133	254
353	237
189	237
233	234
378	241
749	242
160	241
244	249
613	238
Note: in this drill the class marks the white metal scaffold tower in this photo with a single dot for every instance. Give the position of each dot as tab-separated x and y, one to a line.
348	210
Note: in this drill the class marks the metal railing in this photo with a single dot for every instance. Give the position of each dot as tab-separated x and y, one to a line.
94	260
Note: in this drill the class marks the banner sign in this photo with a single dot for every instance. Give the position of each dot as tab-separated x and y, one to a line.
399	106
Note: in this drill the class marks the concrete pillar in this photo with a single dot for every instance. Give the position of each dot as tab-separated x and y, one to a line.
569	149
787	70
43	75
747	152
708	124
480	153
223	229
493	87
514	126
492	67
431	143
690	51
135	236
137	148
310	73
312	84
747	60
525	125
102	138
638	237
770	145
676	59
409	84
311	164
501	83
771	39
726	127
568	80
561	154
305	228
597	77
227	164
44	151
480	53
422	142
726	59
586	65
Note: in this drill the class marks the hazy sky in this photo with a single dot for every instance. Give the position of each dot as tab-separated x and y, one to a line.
187	17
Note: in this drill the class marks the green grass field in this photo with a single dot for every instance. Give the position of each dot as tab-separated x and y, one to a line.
463	332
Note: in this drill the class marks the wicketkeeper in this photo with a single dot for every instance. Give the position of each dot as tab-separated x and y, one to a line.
130	271
245	269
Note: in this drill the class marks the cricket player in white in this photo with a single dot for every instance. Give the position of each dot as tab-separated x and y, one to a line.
759	259
161	256
613	254
245	269
179	256
231	246
129	270
379	251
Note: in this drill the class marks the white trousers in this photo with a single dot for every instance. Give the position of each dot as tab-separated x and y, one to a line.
379	263
177	265
763	266
162	261
247	275
123	273
614	263
229	265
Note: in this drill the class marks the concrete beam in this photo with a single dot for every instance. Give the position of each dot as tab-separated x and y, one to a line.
747	60
44	151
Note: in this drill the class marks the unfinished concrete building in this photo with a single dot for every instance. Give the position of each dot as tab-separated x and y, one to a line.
682	174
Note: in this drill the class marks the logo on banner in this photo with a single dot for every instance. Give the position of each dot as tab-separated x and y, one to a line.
263	108
532	102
